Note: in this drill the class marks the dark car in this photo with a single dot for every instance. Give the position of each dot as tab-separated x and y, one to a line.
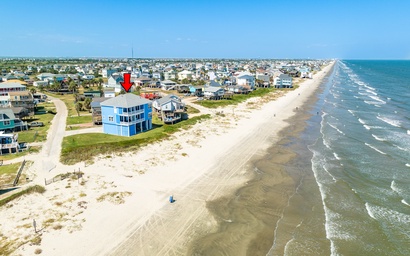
36	124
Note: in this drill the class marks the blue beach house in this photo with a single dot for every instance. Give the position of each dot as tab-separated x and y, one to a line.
126	115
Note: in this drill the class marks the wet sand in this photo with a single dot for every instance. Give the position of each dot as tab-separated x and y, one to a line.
280	209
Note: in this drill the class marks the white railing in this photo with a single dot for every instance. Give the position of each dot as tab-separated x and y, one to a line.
132	122
135	112
11	145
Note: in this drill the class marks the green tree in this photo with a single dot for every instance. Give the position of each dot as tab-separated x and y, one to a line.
87	103
78	107
33	90
72	86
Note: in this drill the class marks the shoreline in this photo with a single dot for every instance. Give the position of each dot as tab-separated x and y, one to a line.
267	200
122	204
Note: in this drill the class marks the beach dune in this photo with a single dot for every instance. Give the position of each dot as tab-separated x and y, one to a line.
121	205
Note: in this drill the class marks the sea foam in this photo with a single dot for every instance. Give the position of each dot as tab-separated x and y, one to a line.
392	122
376	149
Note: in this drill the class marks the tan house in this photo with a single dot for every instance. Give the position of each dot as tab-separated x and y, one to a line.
22	99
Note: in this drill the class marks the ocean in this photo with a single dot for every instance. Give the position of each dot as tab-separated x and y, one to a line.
361	157
337	182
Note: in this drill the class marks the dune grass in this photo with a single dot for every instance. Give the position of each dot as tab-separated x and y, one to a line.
83	147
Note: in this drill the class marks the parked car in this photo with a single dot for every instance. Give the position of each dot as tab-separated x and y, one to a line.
36	124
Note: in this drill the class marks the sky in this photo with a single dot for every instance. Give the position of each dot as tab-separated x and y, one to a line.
267	29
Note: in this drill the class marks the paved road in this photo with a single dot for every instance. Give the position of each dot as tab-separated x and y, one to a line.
49	155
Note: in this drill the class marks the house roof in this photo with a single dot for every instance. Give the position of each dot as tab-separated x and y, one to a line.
20	93
168	82
284	76
96	103
125	101
17	81
168	98
8	112
11	85
19	110
213	83
213	89
245	77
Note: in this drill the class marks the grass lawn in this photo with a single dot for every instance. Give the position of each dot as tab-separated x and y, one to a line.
20	154
68	99
8	173
191	110
237	98
84	147
79	119
30	135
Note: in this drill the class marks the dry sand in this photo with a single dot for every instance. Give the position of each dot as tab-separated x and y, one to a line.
120	206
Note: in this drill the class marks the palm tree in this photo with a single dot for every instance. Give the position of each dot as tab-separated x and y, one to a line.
72	86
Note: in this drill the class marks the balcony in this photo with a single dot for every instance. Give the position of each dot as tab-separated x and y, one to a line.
132	122
135	112
11	145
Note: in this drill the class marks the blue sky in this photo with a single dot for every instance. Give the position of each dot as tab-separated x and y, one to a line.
206	29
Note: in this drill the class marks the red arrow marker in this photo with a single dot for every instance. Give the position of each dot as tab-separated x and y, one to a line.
127	82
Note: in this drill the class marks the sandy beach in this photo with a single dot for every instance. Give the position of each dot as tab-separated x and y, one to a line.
120	206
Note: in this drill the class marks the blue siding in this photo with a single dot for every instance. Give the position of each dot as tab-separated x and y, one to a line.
114	127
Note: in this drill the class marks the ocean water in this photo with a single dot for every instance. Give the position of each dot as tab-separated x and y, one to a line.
361	157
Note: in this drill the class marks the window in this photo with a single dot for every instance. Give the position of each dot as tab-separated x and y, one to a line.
6	122
111	119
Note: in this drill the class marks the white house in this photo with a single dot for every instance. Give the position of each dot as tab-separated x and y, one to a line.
246	80
185	75
108	72
171	74
40	83
213	91
114	82
109	93
168	85
88	77
283	81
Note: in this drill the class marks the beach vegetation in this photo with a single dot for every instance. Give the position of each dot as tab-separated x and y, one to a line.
114	197
33	189
236	99
83	147
38	251
8	173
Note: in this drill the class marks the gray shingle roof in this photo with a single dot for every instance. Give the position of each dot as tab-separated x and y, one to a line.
125	101
11	85
8	112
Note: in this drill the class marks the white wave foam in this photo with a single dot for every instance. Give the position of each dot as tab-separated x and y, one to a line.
371	92
402	149
374	103
408	165
408	132
395	188
336	156
337	129
361	121
392	217
369	211
404	202
378	150
369	87
377	99
392	122
351	112
378	138
367	127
